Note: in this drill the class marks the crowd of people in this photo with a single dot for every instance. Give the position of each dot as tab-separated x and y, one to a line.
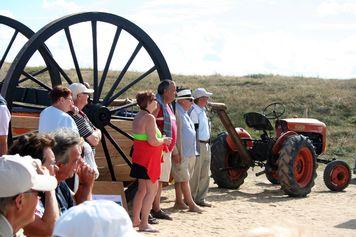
47	178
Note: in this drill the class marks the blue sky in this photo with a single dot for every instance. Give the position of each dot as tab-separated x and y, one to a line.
229	37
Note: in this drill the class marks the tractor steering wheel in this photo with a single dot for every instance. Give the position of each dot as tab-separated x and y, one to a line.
274	110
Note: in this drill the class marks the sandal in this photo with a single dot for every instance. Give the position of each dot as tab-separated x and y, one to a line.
152	220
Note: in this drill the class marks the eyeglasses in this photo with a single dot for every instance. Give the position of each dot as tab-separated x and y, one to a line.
69	98
190	100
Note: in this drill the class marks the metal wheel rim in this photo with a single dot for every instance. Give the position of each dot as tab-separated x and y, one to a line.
339	175
303	167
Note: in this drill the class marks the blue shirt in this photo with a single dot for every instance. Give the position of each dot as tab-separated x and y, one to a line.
186	141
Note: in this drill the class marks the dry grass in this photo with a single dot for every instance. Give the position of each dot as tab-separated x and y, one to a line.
331	101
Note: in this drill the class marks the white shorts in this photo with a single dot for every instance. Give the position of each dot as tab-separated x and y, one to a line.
166	167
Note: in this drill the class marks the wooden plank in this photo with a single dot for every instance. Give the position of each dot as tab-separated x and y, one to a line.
23	123
110	188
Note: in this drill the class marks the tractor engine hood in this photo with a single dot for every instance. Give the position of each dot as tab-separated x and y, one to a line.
303	125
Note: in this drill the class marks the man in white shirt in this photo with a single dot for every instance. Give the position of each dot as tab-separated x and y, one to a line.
5	118
55	117
199	182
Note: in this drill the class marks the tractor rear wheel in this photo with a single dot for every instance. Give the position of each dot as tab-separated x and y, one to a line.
223	157
297	166
272	174
337	175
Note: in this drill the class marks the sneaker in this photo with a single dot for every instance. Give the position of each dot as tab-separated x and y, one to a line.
161	215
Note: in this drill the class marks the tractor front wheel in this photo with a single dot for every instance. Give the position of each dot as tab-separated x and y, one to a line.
222	157
337	175
297	166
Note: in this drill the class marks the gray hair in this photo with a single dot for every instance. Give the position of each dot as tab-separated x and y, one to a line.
4	204
64	139
163	85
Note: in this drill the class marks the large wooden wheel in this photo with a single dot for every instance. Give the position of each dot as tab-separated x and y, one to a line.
15	35
103	110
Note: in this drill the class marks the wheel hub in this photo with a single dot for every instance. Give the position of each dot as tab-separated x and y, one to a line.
303	167
98	114
338	175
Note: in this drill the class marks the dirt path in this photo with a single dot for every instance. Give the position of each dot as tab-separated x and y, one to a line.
259	203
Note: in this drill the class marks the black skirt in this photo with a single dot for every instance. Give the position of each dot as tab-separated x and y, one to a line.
138	172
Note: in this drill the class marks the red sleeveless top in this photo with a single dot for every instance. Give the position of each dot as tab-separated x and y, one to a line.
149	157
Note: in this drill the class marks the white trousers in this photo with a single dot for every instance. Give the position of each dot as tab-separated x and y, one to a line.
199	182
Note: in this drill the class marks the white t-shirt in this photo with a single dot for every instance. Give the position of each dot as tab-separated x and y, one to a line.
5	118
52	119
198	116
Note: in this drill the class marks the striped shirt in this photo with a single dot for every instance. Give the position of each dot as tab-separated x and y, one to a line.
85	127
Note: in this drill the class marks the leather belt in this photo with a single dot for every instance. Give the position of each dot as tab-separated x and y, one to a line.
208	141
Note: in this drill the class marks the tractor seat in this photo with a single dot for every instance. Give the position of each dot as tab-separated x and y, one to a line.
257	121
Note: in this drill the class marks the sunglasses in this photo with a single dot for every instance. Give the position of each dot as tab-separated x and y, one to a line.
190	100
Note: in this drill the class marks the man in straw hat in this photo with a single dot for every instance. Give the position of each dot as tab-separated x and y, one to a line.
183	162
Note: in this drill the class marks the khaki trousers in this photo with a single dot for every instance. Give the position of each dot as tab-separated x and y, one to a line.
199	182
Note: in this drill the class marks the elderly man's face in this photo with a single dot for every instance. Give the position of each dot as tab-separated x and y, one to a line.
203	101
170	93
30	200
186	103
67	170
23	208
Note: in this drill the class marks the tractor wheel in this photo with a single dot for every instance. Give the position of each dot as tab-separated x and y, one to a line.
221	158
297	166
337	175
272	174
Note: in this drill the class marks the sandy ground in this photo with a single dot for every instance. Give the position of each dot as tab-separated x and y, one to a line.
259	203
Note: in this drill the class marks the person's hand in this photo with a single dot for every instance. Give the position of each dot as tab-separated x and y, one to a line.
43	170
167	140
74	109
86	174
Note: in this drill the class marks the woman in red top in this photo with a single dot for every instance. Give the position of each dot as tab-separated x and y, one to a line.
146	158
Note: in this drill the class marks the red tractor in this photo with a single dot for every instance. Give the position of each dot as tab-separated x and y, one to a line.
289	157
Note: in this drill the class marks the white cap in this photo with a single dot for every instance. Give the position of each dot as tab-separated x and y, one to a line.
184	94
99	218
77	88
18	174
200	92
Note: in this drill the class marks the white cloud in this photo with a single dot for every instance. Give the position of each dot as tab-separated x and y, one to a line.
328	8
7	13
167	12
61	5
207	37
330	26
